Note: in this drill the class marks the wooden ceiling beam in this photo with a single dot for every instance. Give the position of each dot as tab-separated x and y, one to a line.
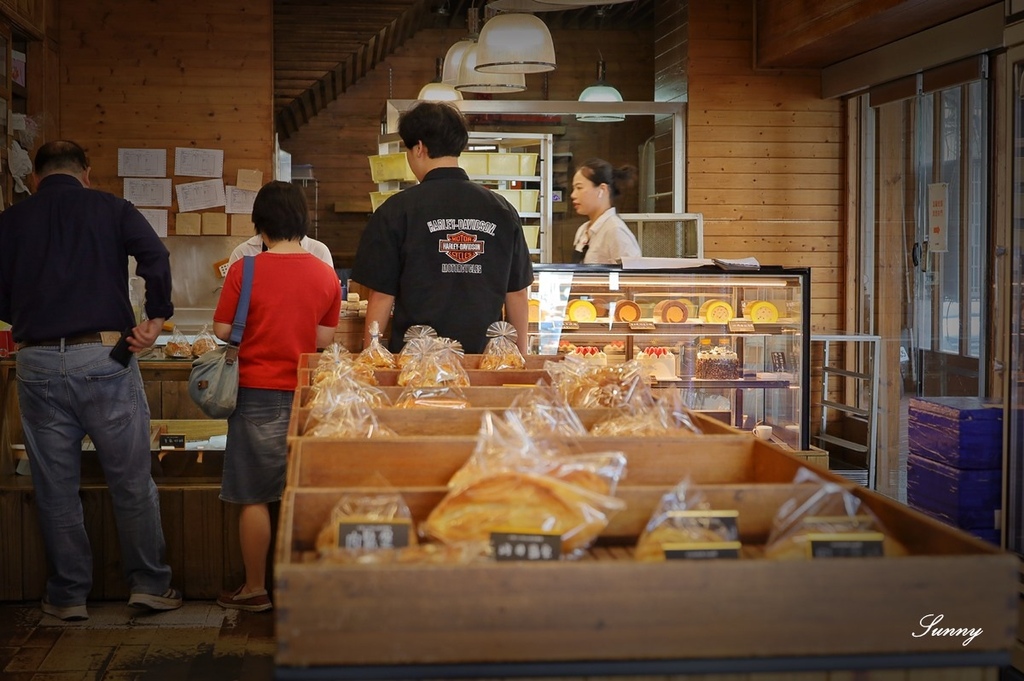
788	36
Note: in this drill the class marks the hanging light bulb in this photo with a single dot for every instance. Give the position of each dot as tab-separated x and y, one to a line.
600	91
436	90
473	80
515	43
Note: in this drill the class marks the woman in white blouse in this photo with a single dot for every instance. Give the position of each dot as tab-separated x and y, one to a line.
604	238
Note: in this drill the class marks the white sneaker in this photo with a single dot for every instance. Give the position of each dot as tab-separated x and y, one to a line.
68	613
169	600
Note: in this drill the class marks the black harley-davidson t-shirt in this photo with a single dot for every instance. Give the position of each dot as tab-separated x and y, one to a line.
448	250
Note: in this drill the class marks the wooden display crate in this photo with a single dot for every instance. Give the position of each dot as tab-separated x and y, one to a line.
310	360
609	608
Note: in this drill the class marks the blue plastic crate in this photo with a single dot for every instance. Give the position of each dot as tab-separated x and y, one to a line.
964	432
968	499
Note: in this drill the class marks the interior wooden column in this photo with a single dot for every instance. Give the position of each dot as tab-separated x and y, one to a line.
890	274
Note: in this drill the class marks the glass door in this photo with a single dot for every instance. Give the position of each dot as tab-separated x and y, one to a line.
1015	394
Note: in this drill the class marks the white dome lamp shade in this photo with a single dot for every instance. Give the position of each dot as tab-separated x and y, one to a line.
581	3
453	60
515	43
472	80
600	91
437	91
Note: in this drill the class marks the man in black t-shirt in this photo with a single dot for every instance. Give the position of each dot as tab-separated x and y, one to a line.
447	252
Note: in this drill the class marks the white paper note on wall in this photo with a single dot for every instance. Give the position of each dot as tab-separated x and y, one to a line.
239	200
142	163
201	195
146	192
198	162
157	218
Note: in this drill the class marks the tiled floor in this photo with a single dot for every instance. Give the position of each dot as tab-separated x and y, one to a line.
199	642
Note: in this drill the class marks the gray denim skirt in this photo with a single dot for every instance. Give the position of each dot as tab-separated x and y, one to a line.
257	447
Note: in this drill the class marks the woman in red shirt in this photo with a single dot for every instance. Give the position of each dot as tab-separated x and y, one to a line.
293	309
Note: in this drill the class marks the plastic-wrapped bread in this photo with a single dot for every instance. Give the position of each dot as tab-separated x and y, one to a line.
525	502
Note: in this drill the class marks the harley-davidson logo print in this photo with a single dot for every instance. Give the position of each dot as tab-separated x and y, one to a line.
461	247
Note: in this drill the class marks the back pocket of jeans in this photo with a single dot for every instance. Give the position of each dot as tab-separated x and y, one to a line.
34	401
118	394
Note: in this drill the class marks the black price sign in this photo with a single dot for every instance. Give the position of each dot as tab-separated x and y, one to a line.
702	550
172	442
370	536
525	546
846	545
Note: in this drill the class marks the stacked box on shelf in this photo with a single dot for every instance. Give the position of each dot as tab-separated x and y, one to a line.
954	469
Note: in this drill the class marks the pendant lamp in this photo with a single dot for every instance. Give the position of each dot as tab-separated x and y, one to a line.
523	6
581	3
438	91
600	91
515	43
453	58
473	80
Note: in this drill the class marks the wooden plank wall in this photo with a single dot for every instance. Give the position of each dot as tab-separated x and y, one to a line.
340	138
166	74
765	158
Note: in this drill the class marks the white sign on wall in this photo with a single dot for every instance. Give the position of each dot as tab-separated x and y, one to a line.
938	215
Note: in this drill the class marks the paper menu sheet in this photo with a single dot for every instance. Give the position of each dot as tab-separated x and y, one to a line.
142	163
200	195
147	192
198	162
157	218
239	200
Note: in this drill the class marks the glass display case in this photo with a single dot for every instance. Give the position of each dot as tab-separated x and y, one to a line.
736	343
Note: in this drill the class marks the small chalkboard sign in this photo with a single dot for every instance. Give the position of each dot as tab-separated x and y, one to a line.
533	547
172	441
779	362
371	536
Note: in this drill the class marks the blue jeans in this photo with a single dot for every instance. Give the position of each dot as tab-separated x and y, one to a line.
64	395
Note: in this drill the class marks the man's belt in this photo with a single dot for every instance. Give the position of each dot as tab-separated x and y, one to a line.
68	340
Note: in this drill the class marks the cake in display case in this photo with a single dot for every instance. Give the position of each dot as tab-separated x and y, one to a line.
736	343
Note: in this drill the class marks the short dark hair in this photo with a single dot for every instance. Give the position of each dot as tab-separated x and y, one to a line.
280	211
439	125
60	155
600	172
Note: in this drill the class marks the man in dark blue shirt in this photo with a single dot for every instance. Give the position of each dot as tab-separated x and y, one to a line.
64	289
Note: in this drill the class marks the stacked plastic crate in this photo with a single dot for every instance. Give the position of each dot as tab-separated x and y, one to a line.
954	469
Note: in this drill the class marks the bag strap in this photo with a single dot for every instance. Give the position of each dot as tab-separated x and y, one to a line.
242	311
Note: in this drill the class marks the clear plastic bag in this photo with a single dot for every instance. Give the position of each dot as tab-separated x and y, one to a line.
828	509
433	376
544	413
584	386
501	352
375	354
666	417
416	337
510	482
372	509
204	342
683	517
178	346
